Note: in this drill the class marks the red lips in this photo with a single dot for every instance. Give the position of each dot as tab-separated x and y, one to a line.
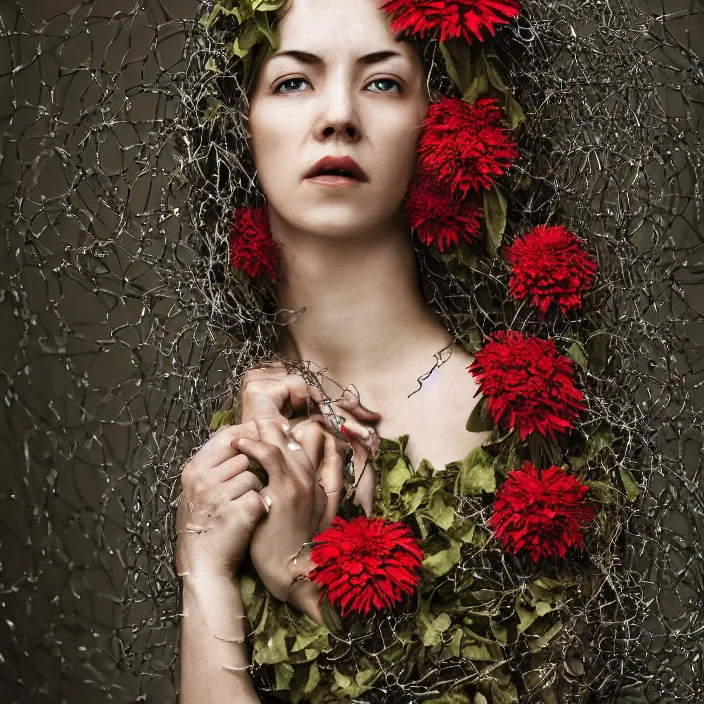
332	164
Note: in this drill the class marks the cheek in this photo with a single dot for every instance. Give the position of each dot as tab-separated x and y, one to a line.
271	144
402	148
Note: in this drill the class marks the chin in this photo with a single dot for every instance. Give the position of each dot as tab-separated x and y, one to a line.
338	221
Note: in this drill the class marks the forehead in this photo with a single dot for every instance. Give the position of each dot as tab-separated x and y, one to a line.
338	26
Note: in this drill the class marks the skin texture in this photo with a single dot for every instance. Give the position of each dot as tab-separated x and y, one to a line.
347	254
225	510
301	112
347	258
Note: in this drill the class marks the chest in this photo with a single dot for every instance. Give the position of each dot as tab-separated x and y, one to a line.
434	417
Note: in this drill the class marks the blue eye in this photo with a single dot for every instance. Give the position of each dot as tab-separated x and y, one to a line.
385	80
290	80
302	80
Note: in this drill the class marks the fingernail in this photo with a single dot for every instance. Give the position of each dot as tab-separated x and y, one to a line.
267	503
348	434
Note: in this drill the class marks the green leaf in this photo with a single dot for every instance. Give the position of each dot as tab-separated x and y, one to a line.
432	635
500	631
392	481
481	651
331	619
466	532
218	10
221	419
452	71
284	675
494	77
211	65
442	562
270	646
528	616
495	205
247	591
598	442
576	352
350	687
515	113
450	698
458	60
412	498
504	692
577	463
603	492
366	676
310	634
629	484
341	680
478	422
543	640
478	87
455	644
267	32
442	513
313	679
264	6
477	473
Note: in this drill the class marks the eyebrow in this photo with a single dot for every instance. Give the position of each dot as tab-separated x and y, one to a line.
313	59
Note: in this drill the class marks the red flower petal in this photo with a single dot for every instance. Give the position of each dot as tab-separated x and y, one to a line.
541	513
469	19
252	248
550	266
529	386
465	147
365	563
439	219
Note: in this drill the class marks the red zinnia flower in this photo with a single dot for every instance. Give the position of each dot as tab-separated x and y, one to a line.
437	218
465	146
252	248
365	563
453	18
542	513
549	264
529	385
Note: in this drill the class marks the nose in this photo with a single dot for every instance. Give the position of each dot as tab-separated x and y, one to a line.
337	114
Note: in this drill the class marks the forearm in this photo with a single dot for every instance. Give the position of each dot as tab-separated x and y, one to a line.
214	657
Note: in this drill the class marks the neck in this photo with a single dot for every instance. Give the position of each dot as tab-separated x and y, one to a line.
364	311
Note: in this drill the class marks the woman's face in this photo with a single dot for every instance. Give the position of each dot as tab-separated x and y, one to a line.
357	92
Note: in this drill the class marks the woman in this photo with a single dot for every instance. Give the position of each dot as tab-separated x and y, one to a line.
340	85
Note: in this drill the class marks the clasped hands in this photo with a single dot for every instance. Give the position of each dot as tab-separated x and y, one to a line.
226	508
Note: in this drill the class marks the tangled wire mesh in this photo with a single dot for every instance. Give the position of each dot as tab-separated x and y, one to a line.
125	328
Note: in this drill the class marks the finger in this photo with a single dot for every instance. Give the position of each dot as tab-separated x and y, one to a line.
250	509
266	393
331	478
228	469
218	448
268	455
346	411
240	485
311	437
350	428
296	461
348	401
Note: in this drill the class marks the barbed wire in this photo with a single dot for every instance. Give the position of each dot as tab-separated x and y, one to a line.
125	328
